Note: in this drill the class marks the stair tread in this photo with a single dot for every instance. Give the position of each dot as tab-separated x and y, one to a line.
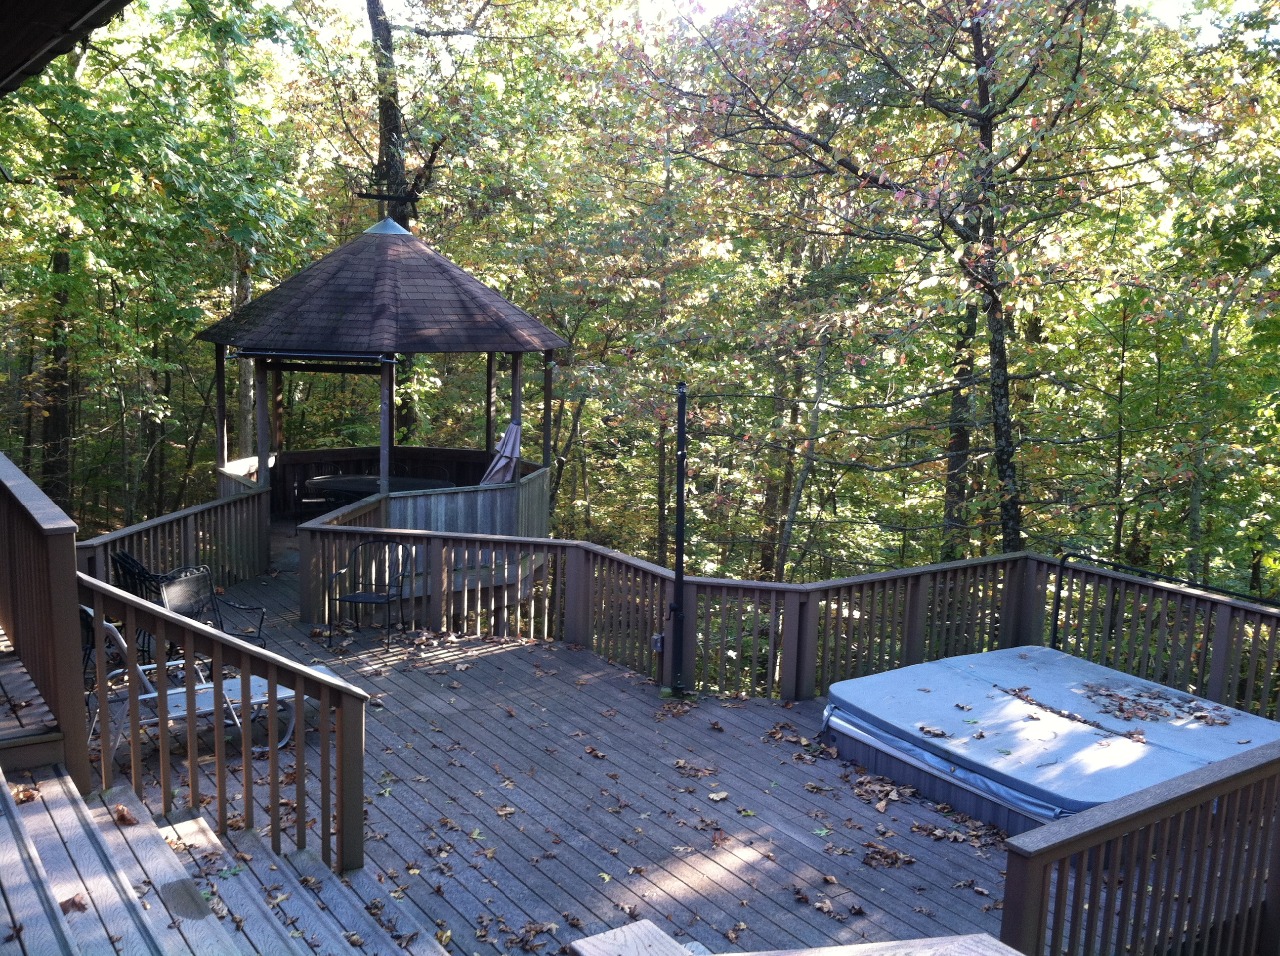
99	903
390	921
145	855
250	922
30	920
296	907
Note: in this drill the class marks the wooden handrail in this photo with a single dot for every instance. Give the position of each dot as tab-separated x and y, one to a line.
37	562
229	663
231	535
1225	814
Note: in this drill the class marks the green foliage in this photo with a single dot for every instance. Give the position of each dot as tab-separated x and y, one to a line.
804	211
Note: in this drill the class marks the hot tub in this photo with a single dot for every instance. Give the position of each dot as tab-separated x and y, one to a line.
1022	736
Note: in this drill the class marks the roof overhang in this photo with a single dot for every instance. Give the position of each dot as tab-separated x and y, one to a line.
35	33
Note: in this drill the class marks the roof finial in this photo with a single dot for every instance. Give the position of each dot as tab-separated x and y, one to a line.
388	227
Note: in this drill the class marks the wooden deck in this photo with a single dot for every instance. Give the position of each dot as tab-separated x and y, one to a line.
521	796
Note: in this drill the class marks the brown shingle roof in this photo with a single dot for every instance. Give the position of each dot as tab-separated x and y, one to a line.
385	291
34	33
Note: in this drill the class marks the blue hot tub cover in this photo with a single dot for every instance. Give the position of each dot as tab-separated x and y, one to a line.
1040	731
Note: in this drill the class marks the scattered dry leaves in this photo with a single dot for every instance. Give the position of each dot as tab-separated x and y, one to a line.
880	855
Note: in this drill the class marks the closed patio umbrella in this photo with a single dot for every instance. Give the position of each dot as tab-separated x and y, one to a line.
506	460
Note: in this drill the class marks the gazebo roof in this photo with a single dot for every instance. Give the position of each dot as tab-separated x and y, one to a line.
35	33
382	293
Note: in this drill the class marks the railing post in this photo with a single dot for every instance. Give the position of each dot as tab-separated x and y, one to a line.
1269	925
913	620
798	646
1022	606
578	598
1220	657
63	616
1025	899
309	578
436	585
350	802
264	531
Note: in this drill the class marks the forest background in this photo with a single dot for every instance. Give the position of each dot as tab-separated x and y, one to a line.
944	279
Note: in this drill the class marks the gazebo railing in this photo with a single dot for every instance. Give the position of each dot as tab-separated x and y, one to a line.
230	535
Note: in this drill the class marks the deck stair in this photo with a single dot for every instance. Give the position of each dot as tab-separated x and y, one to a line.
293	903
29	735
95	880
644	938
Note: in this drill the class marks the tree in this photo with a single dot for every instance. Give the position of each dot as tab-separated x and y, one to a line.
964	135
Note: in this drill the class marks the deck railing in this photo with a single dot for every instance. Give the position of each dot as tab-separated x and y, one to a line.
317	797
1189	865
37	568
1216	646
231	535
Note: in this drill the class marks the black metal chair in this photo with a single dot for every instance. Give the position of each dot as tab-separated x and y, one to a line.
130	574
190	592
377	574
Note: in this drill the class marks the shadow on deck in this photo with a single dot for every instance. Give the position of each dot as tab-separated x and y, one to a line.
523	795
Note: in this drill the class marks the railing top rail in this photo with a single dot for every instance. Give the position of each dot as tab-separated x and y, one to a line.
1124	814
282	664
48	516
164	520
1188	590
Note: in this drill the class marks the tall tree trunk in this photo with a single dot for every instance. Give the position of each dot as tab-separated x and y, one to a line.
1117	462
241	292
986	270
390	176
55	437
775	485
806	470
955	524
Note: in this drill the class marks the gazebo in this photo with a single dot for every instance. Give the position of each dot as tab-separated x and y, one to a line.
382	295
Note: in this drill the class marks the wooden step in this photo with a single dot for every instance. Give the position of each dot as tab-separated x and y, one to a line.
644	938
381	918
30	918
167	891
96	862
378	896
295	905
29	736
234	892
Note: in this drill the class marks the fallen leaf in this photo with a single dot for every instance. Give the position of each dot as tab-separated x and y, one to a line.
77	903
718	796
124	816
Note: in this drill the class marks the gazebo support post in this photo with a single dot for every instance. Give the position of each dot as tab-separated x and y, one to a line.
263	406
490	400
546	407
517	385
220	409
277	409
388	434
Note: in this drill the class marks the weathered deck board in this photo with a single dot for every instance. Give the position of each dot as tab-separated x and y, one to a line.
490	818
23	711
